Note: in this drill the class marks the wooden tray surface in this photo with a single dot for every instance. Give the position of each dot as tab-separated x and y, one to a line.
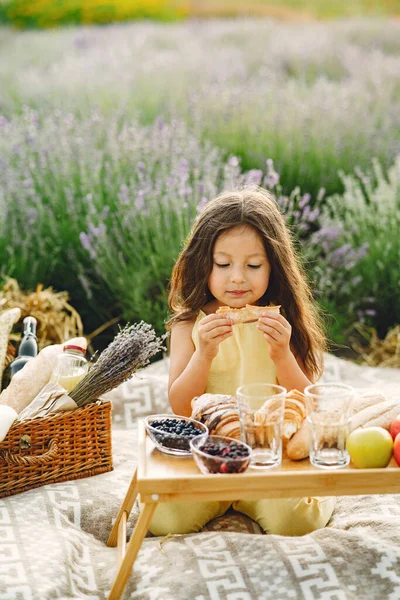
175	478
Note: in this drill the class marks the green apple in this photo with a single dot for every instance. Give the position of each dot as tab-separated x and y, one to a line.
370	447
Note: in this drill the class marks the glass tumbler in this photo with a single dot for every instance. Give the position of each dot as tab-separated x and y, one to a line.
329	411
261	409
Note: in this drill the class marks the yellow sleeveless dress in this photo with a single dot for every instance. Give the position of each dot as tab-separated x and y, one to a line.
242	358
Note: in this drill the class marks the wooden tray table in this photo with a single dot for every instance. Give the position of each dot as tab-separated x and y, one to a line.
163	478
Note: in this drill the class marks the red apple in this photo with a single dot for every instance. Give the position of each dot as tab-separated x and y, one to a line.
396	449
395	427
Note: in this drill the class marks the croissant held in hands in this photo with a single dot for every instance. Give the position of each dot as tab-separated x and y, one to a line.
247	314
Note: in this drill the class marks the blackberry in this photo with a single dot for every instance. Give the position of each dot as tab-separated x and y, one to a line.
224	450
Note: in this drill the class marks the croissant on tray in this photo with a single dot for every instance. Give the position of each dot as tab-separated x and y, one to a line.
294	415
220	414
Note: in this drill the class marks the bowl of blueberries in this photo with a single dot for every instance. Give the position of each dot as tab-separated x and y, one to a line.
219	454
172	434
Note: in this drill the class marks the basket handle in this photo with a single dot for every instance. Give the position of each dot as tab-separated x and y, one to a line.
11	458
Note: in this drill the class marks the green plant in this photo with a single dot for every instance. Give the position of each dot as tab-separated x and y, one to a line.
356	255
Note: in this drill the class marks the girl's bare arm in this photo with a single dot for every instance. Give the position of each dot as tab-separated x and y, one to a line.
190	368
291	374
290	371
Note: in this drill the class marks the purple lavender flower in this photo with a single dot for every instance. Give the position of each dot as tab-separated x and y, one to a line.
314	214
271	179
123	194
203	202
96	232
233	161
140	200
253	177
305	200
85	241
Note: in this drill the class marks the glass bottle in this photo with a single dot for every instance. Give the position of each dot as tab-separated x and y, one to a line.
28	347
71	366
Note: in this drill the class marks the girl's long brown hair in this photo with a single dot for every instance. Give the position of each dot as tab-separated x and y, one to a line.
256	208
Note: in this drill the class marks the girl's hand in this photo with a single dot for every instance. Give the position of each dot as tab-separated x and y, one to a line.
277	331
213	329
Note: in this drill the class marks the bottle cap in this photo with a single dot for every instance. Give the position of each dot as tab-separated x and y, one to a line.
72	347
30	320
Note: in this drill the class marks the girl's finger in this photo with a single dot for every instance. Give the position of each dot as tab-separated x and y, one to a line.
277	318
226	335
213	323
219	331
271	341
272	333
274	324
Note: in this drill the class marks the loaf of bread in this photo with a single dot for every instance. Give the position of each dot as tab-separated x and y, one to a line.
377	415
297	446
7	319
370	410
247	314
31	379
367	399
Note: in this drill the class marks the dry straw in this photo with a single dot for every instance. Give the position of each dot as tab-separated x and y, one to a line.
378	353
131	349
57	319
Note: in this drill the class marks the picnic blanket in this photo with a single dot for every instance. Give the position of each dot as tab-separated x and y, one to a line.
53	539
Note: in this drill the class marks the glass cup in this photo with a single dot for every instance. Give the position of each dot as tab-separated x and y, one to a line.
261	408
329	410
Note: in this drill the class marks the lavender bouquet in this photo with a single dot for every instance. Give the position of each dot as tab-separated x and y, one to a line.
131	349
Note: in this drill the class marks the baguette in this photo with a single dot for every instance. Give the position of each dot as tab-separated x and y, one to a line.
367	399
30	380
247	314
378	415
297	447
378	412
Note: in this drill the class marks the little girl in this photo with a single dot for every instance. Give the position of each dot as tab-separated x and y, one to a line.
240	252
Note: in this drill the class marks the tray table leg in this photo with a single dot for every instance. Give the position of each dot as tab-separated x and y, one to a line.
125	567
126	507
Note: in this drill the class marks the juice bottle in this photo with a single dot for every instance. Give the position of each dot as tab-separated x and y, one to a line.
70	368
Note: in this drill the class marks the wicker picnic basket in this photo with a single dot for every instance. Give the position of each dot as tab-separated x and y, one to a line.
59	447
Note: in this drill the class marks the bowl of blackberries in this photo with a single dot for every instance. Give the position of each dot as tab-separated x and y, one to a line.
219	454
172	433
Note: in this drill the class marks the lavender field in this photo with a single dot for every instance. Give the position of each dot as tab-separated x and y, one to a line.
112	139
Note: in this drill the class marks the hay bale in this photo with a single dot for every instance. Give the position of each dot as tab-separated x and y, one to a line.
375	352
57	319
